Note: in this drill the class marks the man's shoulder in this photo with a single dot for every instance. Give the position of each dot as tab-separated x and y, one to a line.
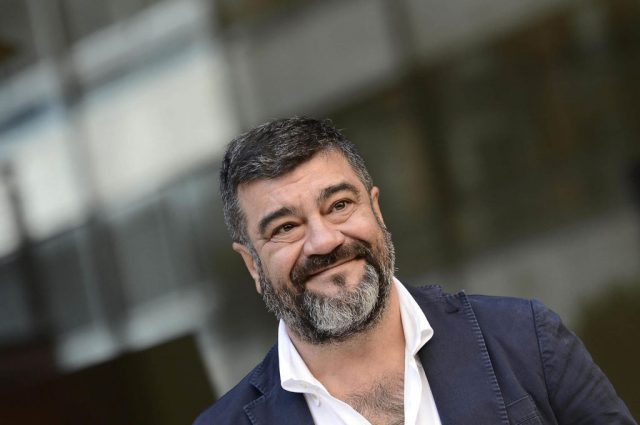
501	305
483	303
492	313
229	409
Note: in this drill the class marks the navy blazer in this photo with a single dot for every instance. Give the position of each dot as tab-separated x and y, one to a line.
491	360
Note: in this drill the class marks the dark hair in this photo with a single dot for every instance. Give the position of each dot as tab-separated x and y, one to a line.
272	150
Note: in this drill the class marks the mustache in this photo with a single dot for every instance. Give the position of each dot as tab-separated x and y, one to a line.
304	269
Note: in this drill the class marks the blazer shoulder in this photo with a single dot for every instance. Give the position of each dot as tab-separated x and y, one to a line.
229	409
499	306
487	307
509	317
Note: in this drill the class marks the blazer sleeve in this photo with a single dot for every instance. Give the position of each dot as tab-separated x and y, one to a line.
579	392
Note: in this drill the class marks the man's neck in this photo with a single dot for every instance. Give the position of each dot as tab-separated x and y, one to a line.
369	356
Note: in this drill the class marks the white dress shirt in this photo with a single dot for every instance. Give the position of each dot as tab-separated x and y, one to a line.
419	406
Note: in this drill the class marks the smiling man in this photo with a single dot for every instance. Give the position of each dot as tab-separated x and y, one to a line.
354	345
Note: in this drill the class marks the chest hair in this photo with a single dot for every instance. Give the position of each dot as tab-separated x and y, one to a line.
382	403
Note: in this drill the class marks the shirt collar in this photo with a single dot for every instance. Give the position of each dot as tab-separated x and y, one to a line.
417	330
296	377
294	373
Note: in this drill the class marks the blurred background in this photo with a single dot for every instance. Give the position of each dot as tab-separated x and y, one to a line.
504	137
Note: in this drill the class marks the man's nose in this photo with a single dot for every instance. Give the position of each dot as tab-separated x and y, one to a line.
322	238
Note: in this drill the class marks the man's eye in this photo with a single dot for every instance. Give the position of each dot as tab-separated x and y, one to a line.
341	205
284	228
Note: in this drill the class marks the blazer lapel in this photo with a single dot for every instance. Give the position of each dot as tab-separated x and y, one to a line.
275	406
457	363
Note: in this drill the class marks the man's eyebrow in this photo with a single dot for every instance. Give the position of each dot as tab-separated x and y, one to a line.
328	191
274	215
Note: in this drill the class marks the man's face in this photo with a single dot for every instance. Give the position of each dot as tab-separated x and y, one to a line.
322	258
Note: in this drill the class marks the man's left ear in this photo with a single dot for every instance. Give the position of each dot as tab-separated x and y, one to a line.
374	194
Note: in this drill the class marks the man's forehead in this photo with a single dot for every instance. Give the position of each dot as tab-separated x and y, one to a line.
323	163
322	170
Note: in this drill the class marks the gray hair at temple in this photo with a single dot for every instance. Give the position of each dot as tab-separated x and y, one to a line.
272	150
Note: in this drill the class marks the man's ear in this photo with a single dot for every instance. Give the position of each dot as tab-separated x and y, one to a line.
249	262
374	194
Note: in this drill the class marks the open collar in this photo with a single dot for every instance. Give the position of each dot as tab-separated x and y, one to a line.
455	360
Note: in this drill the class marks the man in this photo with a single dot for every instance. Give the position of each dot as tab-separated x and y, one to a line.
354	345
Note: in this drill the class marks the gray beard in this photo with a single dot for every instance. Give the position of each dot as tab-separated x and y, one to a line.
322	319
335	315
